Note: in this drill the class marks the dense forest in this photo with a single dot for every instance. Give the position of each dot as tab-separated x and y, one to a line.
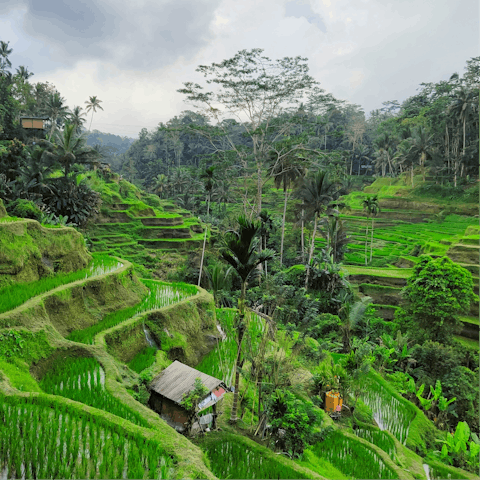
339	250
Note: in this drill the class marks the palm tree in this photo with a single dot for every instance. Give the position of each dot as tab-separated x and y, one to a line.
335	234
56	109
160	184
462	109
241	252
208	176
23	73
317	193
422	147
350	315
92	104
76	118
68	149
5	52
284	172
371	206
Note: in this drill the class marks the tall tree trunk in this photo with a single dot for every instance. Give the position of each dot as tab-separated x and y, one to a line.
312	246
302	237
366	243
371	242
283	222
240	334
203	256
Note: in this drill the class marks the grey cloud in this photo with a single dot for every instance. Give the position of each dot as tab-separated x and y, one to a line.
132	35
298	9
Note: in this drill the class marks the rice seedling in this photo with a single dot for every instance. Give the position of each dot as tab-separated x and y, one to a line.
389	413
143	359
43	439
83	380
231	459
352	458
160	295
15	295
378	438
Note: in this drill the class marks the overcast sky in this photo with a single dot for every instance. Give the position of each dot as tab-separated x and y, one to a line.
135	55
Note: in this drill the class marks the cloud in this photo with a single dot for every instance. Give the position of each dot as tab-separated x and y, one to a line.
302	8
141	35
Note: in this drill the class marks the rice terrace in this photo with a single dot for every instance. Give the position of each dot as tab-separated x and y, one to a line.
271	284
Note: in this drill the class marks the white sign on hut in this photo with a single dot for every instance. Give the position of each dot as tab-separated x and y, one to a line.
168	389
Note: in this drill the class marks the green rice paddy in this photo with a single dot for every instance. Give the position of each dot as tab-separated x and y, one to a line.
352	458
83	380
378	438
230	459
143	359
389	413
40	438
15	295
160	295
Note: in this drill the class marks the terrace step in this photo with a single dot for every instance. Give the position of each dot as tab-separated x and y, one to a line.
161	221
120	206
165	232
170	244
464	253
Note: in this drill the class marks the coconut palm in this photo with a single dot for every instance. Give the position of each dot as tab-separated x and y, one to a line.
23	73
350	315
285	171
56	110
335	234
423	143
241	252
462	110
92	104
317	194
208	176
68	148
5	52
77	119
371	206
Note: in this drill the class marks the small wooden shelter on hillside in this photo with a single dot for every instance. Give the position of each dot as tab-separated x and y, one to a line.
168	389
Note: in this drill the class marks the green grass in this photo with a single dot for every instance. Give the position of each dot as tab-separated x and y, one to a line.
473	320
143	359
15	295
19	376
43	439
352	458
160	295
83	379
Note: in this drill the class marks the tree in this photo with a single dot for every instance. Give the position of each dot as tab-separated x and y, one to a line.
437	292
285	171
350	316
92	104
252	87
370	205
56	110
5	52
68	149
23	73
317	193
191	400
77	119
240	251
208	177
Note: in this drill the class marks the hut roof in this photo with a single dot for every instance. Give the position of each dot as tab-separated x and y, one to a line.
178	379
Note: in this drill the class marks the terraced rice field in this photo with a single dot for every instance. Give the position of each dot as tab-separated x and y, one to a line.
42	438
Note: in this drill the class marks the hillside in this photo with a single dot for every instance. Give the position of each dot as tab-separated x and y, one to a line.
84	331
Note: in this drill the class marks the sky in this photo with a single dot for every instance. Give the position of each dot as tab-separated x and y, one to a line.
134	56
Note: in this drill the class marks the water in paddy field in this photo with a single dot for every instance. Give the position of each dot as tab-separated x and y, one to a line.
427	471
